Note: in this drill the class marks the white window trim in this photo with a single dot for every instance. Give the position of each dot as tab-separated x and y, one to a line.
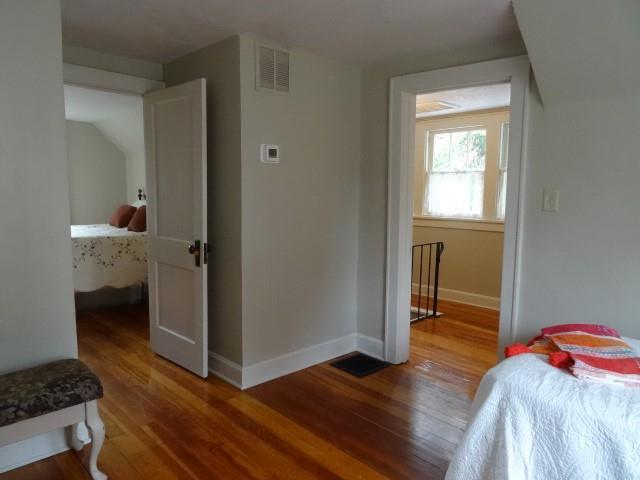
501	171
459	223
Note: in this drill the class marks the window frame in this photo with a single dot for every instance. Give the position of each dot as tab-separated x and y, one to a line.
428	169
489	120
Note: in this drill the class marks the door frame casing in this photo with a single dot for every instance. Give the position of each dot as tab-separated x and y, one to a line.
105	80
402	114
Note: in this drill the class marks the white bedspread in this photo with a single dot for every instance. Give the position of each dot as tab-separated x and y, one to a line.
533	421
107	256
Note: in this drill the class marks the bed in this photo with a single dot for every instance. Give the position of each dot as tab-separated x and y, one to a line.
106	256
532	421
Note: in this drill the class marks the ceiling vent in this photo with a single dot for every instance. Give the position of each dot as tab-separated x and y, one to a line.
272	69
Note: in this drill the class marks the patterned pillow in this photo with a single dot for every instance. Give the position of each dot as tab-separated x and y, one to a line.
122	216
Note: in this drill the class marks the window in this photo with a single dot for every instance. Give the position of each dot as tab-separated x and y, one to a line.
456	161
461	164
502	170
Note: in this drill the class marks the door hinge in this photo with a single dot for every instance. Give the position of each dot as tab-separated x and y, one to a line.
205	255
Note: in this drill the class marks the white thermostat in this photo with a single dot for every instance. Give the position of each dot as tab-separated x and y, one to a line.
269	153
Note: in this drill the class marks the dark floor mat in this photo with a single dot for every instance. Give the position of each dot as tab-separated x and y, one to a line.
360	365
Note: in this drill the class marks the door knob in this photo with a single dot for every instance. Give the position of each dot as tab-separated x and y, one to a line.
194	249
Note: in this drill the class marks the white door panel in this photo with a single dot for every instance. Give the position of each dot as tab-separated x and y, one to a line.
175	140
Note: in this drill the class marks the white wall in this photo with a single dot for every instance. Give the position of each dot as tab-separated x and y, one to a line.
136	175
97	174
35	246
125	129
582	263
37	318
299	218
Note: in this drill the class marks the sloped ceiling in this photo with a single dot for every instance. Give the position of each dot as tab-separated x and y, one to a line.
582	49
117	116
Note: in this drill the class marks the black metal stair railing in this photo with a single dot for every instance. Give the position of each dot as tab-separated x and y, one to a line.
434	251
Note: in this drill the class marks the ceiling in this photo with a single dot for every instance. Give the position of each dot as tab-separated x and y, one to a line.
582	49
361	32
117	116
462	100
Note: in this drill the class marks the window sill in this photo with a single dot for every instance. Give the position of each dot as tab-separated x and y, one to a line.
459	223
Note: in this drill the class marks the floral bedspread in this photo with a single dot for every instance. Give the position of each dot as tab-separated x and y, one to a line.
107	256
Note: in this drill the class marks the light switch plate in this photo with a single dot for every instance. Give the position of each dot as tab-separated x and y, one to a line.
550	200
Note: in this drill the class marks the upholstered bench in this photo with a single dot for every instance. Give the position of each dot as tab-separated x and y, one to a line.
51	396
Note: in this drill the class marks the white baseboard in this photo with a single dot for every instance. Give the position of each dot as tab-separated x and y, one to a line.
257	373
32	449
370	346
225	369
461	297
277	367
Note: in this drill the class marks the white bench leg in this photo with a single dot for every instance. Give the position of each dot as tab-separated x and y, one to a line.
75	441
96	428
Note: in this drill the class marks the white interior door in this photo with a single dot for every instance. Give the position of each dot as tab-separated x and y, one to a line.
175	141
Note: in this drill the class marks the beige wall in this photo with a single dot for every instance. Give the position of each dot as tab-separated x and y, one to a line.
299	218
97	174
219	64
284	270
374	165
472	259
37	317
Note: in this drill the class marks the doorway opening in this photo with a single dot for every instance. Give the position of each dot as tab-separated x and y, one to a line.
155	138
458	180
107	192
459	192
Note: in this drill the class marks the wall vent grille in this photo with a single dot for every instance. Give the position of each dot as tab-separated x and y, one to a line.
272	69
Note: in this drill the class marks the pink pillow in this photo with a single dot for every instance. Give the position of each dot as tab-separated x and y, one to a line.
138	222
122	216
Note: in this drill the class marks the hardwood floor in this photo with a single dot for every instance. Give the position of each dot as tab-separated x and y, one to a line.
164	423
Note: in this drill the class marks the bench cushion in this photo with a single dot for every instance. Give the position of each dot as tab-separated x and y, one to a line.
46	388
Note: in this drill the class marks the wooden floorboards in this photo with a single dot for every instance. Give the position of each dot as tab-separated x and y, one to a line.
320	423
